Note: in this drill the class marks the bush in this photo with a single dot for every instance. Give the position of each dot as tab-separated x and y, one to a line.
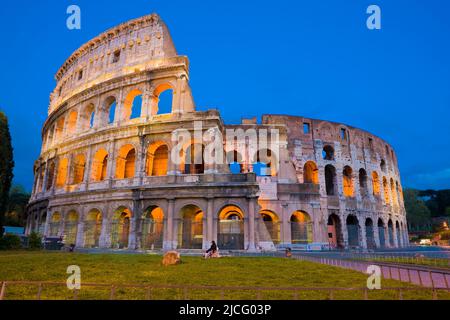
10	242
34	241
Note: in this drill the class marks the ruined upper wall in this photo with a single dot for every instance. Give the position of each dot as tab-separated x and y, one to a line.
136	45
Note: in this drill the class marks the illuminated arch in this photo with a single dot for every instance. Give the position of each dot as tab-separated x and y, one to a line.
132	105
92	228
72	122
301	227
310	173
126	159
120	227
157	159
100	165
79	168
61	176
375	183
347	176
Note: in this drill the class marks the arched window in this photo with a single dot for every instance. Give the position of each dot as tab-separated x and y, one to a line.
87	117
126	162
72	122
330	180
162	99
99	165
265	163
301	228
132	105
157	159
375	183
393	193
59	129
363	182
386	191
310	173
51	175
194	159
61	176
109	108
78	169
347	176
383	165
234	160
328	152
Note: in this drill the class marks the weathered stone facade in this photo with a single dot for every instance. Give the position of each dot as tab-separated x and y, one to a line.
106	176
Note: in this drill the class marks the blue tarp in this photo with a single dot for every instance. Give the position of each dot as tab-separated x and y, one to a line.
14	230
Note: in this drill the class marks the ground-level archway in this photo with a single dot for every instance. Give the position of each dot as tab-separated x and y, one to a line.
352	231
370	236
391	233
230	230
71	228
54	224
381	233
272	223
120	228
335	231
152	228
301	228
190	230
92	228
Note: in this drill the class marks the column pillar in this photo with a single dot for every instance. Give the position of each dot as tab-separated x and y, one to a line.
169	242
362	228
251	225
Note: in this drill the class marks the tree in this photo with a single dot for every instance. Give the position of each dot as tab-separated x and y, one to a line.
416	211
16	209
6	165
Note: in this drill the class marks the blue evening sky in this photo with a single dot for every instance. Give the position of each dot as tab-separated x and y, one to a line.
310	58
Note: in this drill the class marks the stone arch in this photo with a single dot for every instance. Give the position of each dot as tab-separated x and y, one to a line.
157	159
120	227
353	231
55	224
330	180
72	122
71	227
61	175
265	163
328	152
79	165
51	174
310	173
347	182
381	233
370	235
92	228
301	227
334	228
393	193
230	230
398	233
193	161
363	187
87	116
391	233
383	165
160	89
152	228
272	223
235	161
386	191
126	162
59	129
99	166
109	109
375	184
190	230
132	106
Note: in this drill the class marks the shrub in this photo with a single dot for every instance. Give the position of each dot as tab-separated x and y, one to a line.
34	241
10	242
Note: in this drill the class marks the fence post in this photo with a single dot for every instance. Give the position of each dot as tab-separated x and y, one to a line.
113	291
431	279
38	296
3	290
331	297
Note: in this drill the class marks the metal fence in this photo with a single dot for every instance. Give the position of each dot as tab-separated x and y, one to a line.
187	292
414	274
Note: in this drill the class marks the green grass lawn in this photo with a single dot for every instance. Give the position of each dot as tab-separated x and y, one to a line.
147	270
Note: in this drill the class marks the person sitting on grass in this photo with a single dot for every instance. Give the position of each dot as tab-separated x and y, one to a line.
213	251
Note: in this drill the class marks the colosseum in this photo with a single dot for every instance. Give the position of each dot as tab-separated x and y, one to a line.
113	174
